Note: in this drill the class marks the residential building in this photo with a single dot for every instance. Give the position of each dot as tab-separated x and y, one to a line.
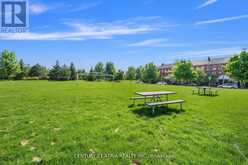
215	67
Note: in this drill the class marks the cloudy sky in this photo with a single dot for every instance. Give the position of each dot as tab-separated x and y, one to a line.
129	32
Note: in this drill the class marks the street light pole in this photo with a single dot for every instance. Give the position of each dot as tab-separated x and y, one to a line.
209	73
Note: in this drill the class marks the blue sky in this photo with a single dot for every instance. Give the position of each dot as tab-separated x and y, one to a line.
129	32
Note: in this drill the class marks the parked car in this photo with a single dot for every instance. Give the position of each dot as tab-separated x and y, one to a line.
162	83
229	85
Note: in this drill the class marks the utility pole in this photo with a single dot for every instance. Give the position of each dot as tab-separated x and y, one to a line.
209	73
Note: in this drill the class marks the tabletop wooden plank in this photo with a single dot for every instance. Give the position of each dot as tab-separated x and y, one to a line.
155	93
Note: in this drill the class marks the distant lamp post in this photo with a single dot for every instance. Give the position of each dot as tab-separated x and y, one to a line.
209	73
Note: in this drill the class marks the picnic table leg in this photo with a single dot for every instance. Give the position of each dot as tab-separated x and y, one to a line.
153	107
181	106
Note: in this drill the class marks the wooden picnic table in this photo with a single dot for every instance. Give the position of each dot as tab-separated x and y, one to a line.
204	89
155	94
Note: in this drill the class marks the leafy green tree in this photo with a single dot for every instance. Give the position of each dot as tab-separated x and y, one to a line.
54	73
99	67
119	75
199	76
237	68
9	66
73	71
183	71
38	71
22	65
22	72
91	75
82	75
139	73
151	73
64	73
110	68
131	73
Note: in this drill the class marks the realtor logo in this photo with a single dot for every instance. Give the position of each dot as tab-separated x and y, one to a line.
14	16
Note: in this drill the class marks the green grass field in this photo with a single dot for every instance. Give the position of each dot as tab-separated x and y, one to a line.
61	122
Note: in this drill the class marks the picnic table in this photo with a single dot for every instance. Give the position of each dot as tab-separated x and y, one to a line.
155	95
204	90
156	99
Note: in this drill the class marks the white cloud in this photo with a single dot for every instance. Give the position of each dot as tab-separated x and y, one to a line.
85	6
221	20
83	31
207	3
38	8
150	42
157	42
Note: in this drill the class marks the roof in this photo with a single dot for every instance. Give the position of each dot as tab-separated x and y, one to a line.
166	66
203	62
213	61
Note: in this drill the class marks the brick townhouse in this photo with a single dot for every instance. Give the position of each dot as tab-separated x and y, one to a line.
214	67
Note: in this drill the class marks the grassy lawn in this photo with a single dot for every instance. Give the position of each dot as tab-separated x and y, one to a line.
58	121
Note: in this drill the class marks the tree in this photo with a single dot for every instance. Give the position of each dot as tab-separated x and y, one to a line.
139	73
183	71
64	73
131	73
91	75
38	71
54	73
110	68
9	66
150	74
22	72
73	71
237	68
119	75
82	75
199	76
99	68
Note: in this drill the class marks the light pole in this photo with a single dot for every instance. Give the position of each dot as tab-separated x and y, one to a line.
243	83
209	73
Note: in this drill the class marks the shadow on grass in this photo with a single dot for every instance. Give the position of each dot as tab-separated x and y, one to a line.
134	105
202	95
159	111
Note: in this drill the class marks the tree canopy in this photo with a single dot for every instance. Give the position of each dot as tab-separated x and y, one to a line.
73	72
131	73
110	68
119	75
38	71
199	76
150	73
237	67
9	66
183	71
139	73
99	67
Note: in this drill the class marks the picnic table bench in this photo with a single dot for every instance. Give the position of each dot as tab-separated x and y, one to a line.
143	98
155	104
